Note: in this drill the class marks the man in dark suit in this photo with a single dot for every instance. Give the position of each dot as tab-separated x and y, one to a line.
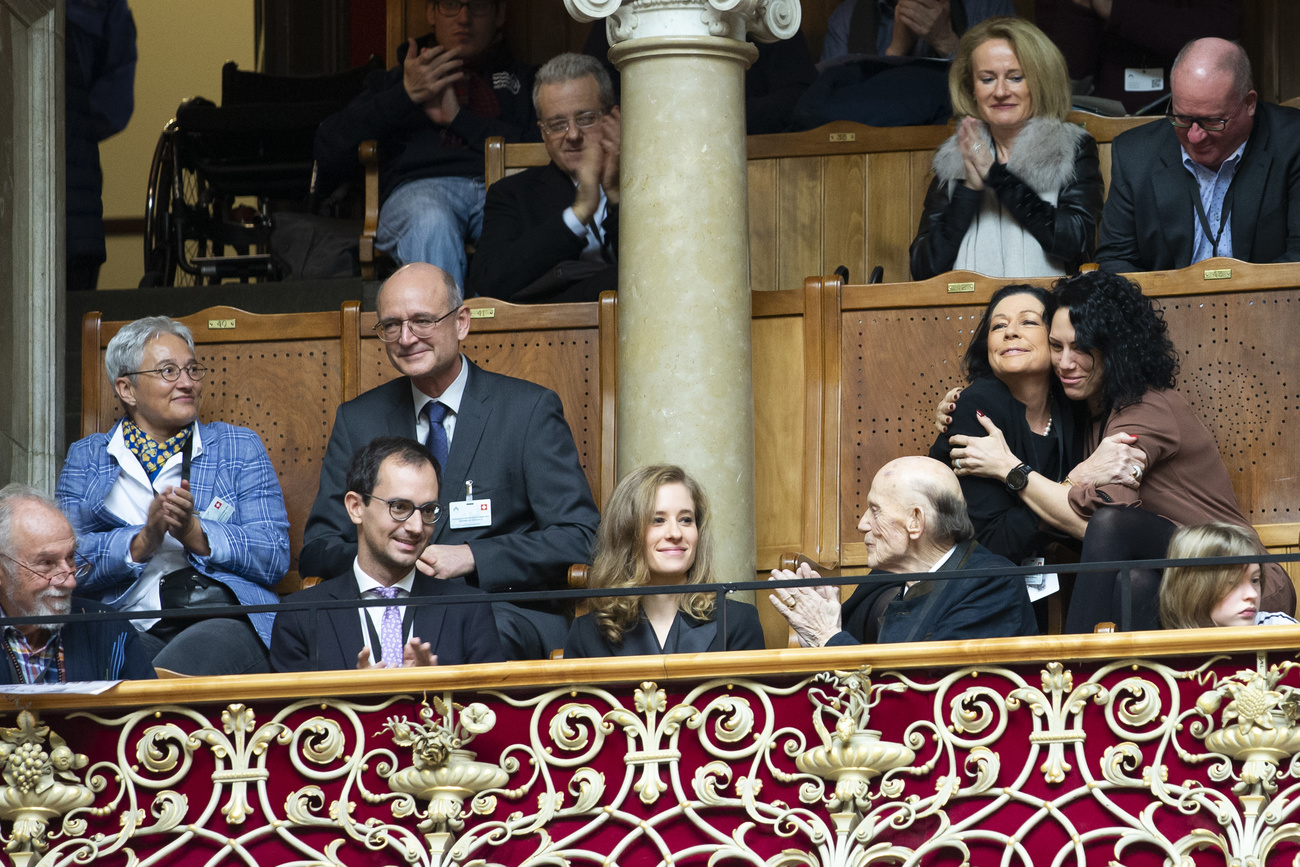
39	569
392	500
915	522
1221	178
517	507
550	233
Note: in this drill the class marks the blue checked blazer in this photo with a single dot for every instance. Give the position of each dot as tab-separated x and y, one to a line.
250	552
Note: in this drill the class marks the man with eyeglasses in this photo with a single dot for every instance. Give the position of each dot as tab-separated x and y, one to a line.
1219	177
39	569
517	509
431	115
550	233
174	513
392	501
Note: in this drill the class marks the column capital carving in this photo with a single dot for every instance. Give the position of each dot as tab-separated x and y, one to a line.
768	20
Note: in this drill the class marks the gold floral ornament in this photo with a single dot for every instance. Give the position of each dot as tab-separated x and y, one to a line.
444	772
39	785
1258	726
852	753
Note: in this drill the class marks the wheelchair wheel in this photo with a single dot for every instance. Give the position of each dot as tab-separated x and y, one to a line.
178	216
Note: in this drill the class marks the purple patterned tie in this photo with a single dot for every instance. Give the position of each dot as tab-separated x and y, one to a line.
390	629
437	441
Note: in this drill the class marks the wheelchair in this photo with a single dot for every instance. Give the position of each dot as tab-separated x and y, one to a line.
221	173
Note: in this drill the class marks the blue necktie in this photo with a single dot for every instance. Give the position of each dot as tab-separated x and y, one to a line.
437	441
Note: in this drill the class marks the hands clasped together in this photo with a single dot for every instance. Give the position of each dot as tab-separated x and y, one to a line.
170	512
429	76
599	166
813	612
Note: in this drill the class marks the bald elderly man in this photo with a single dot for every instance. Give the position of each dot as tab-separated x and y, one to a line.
1219	177
916	522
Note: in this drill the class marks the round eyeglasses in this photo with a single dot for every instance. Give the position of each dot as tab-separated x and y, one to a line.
402	510
560	125
172	372
78	569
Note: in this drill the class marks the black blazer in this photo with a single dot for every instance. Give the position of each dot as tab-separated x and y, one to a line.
459	633
96	650
1148	221
948	610
1004	523
524	233
688	635
512	440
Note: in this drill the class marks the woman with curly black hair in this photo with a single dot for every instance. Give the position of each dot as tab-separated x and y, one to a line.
655	532
1111	350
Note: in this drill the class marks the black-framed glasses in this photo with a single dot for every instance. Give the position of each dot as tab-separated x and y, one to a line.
421	325
477	8
1209	124
172	372
402	510
560	125
79	569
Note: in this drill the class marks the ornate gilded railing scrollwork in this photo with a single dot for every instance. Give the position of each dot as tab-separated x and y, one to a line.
40	786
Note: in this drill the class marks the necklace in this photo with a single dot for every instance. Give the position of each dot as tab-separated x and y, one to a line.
1047	429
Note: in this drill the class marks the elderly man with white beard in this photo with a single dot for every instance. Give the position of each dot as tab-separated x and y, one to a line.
39	568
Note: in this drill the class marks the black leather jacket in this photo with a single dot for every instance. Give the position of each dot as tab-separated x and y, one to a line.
1067	231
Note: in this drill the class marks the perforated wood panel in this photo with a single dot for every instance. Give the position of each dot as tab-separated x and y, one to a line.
1241	371
896	365
564	360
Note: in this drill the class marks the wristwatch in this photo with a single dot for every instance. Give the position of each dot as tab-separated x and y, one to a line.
1018	478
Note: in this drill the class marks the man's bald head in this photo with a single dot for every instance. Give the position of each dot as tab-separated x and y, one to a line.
1212	59
437	283
915	512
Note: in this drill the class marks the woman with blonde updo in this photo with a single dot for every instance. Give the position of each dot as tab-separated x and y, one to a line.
655	532
1195	596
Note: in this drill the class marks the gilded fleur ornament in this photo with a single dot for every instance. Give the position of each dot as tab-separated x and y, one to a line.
39	785
444	773
1258	725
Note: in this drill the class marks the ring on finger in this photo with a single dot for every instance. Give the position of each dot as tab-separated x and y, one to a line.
791	603
1136	472
956	463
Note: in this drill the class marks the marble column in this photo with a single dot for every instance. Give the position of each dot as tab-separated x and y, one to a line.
685	391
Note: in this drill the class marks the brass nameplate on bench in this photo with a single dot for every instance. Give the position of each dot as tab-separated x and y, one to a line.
220	324
482	313
1218	274
844	136
954	288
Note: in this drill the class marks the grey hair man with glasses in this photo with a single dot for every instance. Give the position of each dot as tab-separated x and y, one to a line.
39	569
431	115
392	501
516	507
174	513
1220	176
550	233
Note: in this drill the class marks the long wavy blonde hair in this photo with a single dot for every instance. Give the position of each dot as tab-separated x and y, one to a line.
1188	594
620	559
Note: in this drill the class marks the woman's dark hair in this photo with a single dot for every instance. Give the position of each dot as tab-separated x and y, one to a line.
976	360
1112	316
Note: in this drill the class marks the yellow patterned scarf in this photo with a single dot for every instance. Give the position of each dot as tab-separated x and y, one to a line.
152	455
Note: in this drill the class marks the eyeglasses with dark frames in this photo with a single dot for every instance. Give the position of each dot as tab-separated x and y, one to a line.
560	125
172	372
477	8
1209	124
79	569
401	510
390	330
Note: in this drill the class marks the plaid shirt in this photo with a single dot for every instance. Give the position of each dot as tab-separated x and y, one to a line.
35	665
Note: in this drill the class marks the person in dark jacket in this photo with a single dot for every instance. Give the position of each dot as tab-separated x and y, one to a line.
99	97
39	568
550	233
656	532
1017	192
431	115
915	522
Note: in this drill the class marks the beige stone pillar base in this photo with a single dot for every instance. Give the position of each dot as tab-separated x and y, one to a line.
685	393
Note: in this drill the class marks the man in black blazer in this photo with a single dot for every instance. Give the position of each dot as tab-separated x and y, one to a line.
392	500
517	509
916	522
39	569
550	233
1223	165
